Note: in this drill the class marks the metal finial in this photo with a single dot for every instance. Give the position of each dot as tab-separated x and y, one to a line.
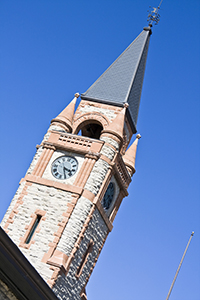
77	95
153	16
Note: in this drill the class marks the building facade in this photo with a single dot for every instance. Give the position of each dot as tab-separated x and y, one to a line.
65	205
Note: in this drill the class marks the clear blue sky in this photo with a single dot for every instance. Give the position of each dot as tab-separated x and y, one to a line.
52	49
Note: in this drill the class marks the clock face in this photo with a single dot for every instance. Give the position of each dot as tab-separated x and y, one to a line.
108	197
64	167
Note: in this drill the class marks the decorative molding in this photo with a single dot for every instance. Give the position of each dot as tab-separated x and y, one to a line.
58	259
85	171
76	143
122	174
86	118
15	208
43	160
58	185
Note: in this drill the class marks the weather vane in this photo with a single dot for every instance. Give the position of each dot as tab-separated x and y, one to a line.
153	15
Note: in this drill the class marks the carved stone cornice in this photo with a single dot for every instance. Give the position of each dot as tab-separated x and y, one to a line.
71	142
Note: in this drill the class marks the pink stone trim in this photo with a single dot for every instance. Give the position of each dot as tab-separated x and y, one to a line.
43	160
51	257
84	259
71	142
58	259
86	118
15	211
55	184
29	227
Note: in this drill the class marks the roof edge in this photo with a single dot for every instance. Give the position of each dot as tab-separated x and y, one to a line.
138	62
28	279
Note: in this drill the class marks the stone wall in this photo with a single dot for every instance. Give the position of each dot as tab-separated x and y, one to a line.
70	286
12	204
50	200
90	108
74	225
35	160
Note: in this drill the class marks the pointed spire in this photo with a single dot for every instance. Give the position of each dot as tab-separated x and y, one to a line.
116	128
65	118
122	81
130	155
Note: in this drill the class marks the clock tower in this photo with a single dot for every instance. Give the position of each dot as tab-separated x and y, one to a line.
66	203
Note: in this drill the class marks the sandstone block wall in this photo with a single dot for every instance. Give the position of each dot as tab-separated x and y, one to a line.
69	287
74	225
109	113
51	200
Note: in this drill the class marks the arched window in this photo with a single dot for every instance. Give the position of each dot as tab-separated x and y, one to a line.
91	130
90	125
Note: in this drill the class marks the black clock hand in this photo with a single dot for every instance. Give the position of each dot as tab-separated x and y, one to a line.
68	170
64	172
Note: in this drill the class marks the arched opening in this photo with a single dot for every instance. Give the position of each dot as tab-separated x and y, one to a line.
91	130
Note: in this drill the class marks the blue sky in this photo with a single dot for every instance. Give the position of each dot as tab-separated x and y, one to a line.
53	49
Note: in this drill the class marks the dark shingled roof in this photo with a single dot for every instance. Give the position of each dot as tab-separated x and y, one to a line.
122	81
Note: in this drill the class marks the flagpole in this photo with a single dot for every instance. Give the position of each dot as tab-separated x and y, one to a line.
180	265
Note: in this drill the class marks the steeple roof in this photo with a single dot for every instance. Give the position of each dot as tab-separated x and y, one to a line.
122	81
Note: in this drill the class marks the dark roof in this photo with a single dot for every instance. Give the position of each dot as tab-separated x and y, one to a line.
122	81
19	275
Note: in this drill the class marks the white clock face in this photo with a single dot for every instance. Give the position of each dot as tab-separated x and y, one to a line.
64	167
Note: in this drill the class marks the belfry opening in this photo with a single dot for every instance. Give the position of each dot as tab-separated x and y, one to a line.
91	130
